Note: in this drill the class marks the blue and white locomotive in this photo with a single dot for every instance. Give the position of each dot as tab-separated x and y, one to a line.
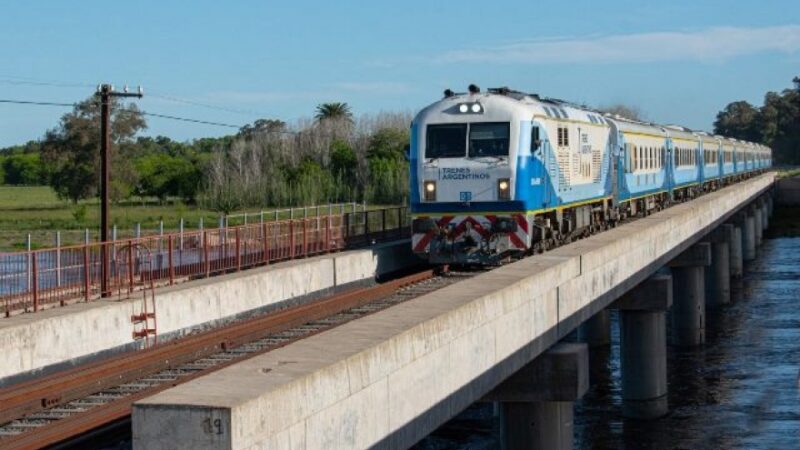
504	173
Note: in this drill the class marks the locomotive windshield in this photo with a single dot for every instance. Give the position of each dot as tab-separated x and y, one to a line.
488	139
485	139
446	141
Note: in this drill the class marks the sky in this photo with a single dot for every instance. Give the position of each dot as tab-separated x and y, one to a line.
234	62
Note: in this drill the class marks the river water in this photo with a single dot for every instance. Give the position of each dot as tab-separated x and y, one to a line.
741	390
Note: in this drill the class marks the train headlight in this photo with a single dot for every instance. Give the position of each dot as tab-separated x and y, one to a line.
503	189
430	191
471	108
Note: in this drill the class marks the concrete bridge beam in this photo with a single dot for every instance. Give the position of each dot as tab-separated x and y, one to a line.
718	275
596	331
688	283
643	347
537	401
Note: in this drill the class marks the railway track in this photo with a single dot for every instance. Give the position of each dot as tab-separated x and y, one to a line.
65	405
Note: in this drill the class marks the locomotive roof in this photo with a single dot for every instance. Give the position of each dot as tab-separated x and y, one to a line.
524	103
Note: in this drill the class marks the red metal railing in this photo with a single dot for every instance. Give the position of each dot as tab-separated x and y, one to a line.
33	280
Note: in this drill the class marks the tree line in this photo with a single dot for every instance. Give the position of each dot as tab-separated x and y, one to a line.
333	157
776	123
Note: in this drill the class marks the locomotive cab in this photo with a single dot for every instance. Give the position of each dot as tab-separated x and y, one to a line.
463	157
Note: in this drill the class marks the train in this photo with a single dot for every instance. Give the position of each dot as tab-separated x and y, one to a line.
501	174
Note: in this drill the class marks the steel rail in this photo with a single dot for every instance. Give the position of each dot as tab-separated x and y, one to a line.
57	389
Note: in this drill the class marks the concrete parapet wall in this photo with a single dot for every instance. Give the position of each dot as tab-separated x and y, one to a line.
33	344
390	378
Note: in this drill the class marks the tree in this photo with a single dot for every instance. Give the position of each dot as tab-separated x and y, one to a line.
388	143
262	126
336	111
23	169
739	120
72	150
162	175
775	124
627	111
343	162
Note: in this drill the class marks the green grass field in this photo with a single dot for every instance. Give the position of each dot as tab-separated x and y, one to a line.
38	211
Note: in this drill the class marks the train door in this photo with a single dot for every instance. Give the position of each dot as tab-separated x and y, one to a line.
617	157
669	171
539	149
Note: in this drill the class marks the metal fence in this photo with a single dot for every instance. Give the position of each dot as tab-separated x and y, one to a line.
38	279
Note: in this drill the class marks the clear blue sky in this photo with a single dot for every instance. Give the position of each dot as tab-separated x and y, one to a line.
679	61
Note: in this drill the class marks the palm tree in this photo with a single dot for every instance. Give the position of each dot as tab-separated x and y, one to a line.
336	110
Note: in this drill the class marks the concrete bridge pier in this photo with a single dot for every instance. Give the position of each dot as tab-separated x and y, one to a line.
749	236
770	205
643	347
689	303
537	401
596	331
759	228
735	251
718	275
764	213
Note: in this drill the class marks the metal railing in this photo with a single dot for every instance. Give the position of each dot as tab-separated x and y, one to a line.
38	279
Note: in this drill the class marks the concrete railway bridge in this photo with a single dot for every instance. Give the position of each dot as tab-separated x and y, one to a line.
389	378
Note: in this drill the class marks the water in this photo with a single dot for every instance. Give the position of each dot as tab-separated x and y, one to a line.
739	391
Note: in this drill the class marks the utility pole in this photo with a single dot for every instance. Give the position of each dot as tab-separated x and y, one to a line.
105	92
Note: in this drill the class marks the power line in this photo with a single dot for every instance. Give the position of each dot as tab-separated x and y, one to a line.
9	79
184	119
207	105
145	113
14	80
26	102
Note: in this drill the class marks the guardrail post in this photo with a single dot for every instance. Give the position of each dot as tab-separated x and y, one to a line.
346	230
35	283
238	250
328	233
264	230
291	239
383	222
86	280
206	262
171	266
58	259
400	221
131	268
28	262
305	236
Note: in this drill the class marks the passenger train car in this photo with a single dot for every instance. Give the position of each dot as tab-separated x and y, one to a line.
502	173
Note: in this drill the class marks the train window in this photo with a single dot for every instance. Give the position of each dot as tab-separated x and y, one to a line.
563	113
535	139
446	141
638	158
563	137
488	139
